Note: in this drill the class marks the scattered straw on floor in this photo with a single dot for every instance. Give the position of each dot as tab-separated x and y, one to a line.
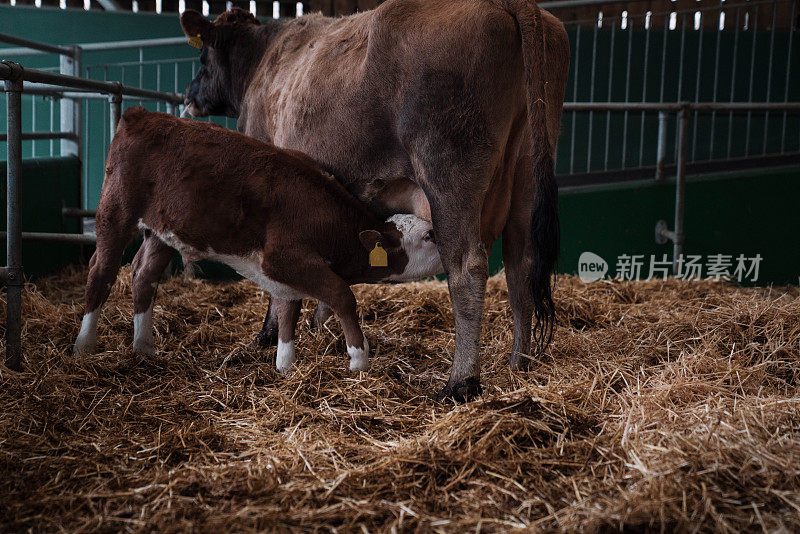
661	406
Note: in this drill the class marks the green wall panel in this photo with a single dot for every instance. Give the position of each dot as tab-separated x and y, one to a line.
47	185
747	212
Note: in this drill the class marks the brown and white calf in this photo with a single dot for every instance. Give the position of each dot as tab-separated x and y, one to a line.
273	215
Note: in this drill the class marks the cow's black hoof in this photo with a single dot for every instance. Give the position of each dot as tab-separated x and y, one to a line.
519	362
461	391
266	339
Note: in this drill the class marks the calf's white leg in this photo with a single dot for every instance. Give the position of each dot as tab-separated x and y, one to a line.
86	342
288	312
359	357
152	258
143	340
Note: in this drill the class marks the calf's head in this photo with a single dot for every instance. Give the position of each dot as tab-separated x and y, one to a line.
410	246
231	48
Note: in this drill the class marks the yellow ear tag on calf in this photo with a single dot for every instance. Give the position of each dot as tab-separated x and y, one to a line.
378	257
196	42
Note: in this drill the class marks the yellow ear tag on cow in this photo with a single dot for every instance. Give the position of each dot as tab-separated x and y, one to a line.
378	257
196	42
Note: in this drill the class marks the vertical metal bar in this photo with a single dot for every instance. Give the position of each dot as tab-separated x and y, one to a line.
591	99
661	160
574	98
141	67
170	108
754	29
697	84
664	58
680	64
33	124
71	108
52	123
733	80
627	95
769	73
608	98
644	89
176	78
788	75
680	189
115	112
716	87
158	84
14	273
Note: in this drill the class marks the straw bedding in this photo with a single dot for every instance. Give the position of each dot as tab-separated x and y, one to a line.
660	406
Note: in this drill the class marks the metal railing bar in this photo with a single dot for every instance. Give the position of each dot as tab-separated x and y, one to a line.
33	45
583	3
41	136
692	11
134	43
34	75
677	106
77	239
13	273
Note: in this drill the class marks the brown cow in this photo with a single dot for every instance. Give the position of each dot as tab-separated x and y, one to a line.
442	108
271	214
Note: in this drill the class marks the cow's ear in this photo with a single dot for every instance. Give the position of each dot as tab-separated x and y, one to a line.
194	24
369	238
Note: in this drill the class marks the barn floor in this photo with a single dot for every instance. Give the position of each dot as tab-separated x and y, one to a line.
662	406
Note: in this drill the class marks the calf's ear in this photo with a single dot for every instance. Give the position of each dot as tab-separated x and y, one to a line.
194	24
369	238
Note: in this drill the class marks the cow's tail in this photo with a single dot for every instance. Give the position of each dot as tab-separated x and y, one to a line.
545	234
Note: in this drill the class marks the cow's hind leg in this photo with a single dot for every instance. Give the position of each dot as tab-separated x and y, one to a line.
268	336
518	260
148	265
288	312
321	314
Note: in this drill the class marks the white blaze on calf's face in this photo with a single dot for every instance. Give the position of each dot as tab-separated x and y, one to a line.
419	245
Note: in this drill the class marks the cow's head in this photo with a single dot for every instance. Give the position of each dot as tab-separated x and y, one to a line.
231	48
410	247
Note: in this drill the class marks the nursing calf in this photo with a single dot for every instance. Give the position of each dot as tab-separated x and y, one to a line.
271	214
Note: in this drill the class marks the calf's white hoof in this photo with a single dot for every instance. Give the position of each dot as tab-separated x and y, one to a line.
359	358
286	356
86	342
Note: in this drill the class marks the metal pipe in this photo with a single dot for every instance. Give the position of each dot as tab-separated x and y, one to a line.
136	43
115	103
33	45
77	212
70	109
39	136
661	160
75	239
678	106
14	275
40	76
580	3
680	189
